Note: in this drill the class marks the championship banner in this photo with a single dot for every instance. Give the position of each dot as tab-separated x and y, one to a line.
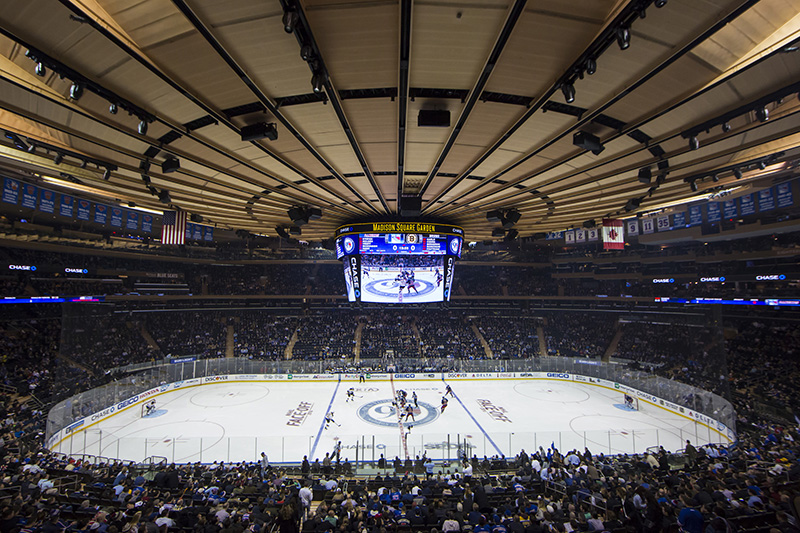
729	209
784	194
208	233
747	205
132	221
766	201
695	215
713	212
100	213
197	232
66	207
10	191
47	201
632	227
84	210
116	217
679	220
147	223
613	237
29	196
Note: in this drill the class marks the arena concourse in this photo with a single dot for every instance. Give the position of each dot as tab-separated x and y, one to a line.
400	267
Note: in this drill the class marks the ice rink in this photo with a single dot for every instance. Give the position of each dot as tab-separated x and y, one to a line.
382	286
237	420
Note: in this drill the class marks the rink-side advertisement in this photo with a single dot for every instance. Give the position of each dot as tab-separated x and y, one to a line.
372	408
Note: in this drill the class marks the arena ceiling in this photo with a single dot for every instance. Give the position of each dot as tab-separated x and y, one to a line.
346	86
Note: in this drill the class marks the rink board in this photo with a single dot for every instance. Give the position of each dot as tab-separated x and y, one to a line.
236	417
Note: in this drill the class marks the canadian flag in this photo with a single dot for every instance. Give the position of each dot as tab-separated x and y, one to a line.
613	237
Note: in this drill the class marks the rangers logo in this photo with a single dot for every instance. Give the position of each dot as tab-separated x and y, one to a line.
349	245
383	413
455	245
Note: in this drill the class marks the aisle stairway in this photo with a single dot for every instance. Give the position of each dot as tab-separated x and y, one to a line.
417	336
612	346
542	340
147	337
229	341
357	339
486	348
287	353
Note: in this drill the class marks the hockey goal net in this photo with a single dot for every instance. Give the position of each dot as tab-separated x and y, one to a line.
630	401
144	412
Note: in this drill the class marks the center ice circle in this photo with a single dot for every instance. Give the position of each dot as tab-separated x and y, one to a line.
383	413
389	288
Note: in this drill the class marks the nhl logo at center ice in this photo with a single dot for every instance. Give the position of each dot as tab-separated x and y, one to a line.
383	413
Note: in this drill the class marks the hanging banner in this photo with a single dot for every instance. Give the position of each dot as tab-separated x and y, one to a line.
47	201
197	232
147	223
695	215
679	220
613	238
783	191
132	221
730	209
188	231
10	191
580	235
116	217
100	213
747	205
554	235
713	212
208	233
66	206
29	196
569	237
591	234
648	225
662	223
84	208
632	227
766	201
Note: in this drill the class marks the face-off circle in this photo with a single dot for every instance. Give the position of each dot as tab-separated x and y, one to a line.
389	288
383	413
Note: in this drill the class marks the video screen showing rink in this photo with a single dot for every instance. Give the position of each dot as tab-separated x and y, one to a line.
409	279
236	417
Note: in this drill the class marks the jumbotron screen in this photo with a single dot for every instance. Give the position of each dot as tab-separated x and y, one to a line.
399	262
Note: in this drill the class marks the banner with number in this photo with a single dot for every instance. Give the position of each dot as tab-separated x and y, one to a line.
580	235
632	227
662	223
648	225
713	212
10	191
66	206
551	235
569	237
29	196
766	201
591	234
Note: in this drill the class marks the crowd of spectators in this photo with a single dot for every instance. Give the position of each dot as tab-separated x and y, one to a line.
180	333
260	335
579	335
325	336
389	332
448	335
511	337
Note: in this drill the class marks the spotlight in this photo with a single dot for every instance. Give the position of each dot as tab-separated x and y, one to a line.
306	52
694	144
112	109
40	70
762	114
143	127
107	174
32	148
290	21
726	127
591	66
318	82
693	185
737	173
642	12
623	37
660	3
76	91
83	163
762	165
715	178
164	197
58	158
569	92
170	164
258	131
645	175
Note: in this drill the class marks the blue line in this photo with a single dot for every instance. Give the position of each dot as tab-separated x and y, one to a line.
322	426
499	451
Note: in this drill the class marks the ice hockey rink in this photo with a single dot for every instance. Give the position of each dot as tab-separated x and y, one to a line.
382	286
237	420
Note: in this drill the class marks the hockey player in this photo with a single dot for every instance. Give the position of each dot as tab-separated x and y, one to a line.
438	276
351	395
329	420
449	391
444	403
629	401
410	412
414	397
150	408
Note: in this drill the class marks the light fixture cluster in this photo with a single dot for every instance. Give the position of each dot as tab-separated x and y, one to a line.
33	146
80	84
737	171
300	216
507	219
620	32
293	23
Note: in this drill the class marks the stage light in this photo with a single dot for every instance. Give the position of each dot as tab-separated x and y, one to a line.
623	37
40	70
762	114
591	66
694	143
660	3
143	127
164	197
569	92
726	127
693	186
107	174
318	82
762	165
290	19
737	173
112	109
58	158
307	52
76	91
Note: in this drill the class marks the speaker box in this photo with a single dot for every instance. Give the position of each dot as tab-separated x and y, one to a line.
410	206
433	118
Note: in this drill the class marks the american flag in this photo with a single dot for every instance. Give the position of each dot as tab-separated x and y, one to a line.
173	227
